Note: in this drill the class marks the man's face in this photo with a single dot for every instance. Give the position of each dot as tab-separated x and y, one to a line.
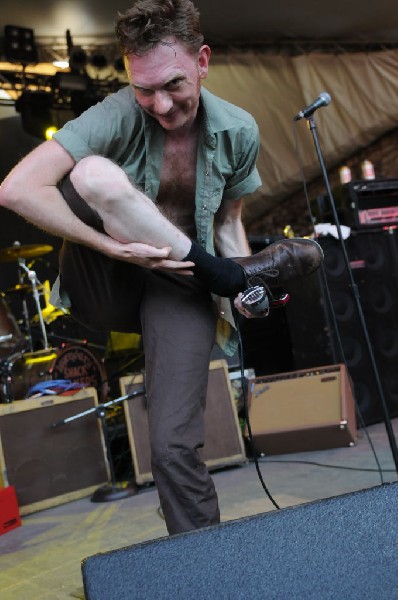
166	83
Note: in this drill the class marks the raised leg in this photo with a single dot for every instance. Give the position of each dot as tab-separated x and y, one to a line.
127	214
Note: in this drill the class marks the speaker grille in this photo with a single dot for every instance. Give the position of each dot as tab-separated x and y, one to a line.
373	257
45	463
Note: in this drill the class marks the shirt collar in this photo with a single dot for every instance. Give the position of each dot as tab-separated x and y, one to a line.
216	120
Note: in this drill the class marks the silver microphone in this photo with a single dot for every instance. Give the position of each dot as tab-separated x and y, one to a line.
255	300
323	100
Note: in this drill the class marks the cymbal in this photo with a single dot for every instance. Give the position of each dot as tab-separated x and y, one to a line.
49	315
27	251
21	288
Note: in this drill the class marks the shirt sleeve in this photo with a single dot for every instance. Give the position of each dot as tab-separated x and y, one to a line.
245	178
100	130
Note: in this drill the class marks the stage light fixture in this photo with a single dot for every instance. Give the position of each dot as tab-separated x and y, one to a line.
19	45
77	58
118	65
99	61
49	132
61	64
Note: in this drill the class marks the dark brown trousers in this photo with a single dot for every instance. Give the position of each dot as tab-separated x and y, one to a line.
177	319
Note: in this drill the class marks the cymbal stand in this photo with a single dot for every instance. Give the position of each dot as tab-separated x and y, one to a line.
25	312
34	281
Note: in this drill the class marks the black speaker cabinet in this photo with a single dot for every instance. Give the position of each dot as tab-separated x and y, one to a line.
302	411
223	437
325	305
50	465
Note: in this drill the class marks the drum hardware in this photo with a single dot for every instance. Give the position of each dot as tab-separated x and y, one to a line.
21	288
35	290
17	251
21	367
77	341
49	314
5	366
4	338
11	338
22	370
20	253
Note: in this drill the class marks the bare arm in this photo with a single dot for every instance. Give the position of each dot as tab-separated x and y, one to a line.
229	232
231	240
31	191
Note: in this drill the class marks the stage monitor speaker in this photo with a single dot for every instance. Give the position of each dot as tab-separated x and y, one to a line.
333	549
50	465
223	437
302	411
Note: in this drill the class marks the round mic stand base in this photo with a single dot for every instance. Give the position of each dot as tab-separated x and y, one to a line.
114	491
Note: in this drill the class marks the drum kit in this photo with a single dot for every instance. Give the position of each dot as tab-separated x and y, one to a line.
22	365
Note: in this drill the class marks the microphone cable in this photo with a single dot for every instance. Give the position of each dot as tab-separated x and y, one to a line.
246	408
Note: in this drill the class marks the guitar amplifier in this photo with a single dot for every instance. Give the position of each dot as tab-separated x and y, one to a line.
301	411
50	465
363	204
371	203
224	444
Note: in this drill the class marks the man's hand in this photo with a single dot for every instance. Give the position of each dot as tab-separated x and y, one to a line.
246	313
148	257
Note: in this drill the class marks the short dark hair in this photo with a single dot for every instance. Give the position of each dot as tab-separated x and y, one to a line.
149	22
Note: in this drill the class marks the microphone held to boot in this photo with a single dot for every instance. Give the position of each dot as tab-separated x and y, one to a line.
323	100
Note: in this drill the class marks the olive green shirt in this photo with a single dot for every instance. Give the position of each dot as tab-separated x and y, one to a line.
117	128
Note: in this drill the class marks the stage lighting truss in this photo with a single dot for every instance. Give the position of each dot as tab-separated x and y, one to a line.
47	96
49	101
53	105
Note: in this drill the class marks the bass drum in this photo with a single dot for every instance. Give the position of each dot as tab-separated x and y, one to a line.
81	365
11	338
77	363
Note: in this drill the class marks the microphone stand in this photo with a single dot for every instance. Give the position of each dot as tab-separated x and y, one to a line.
110	491
354	287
